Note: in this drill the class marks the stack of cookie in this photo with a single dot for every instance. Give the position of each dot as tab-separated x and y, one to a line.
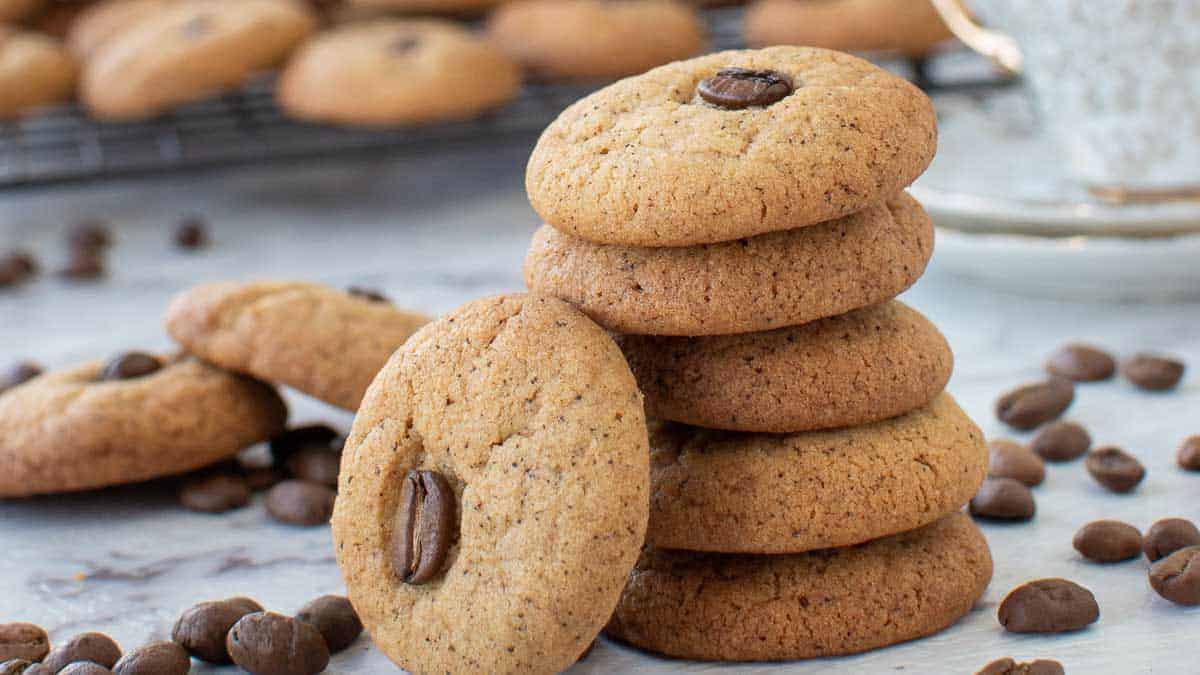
740	221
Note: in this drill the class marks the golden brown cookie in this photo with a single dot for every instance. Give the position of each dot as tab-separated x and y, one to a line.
460	8
15	10
770	493
649	161
394	72
103	20
327	343
911	27
715	607
527	411
592	39
847	370
761	283
74	430
35	71
189	52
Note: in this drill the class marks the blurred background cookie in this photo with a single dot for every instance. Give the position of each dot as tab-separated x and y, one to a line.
439	7
97	23
35	71
911	27
13	10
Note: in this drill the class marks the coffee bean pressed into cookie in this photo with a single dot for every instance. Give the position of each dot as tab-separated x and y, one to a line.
502	447
649	162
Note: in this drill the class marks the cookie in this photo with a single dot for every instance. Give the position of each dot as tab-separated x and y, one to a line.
592	39
324	342
15	10
188	52
714	607
910	27
98	23
396	71
755	284
439	7
770	493
530	416
649	161
35	71
847	370
75	430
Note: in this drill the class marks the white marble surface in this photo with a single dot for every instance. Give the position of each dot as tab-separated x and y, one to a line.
437	232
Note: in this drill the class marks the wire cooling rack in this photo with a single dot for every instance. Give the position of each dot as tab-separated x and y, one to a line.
63	144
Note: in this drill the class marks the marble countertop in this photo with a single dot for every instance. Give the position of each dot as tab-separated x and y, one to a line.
432	233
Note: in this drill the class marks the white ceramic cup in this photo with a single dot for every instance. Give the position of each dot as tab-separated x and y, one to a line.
1116	82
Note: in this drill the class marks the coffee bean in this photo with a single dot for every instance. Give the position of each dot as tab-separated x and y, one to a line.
130	365
1061	441
1081	363
298	502
215	493
1009	459
1177	576
262	478
1007	666
1115	469
156	658
17	267
89	235
423	527
1189	454
192	234
1048	606
1108	541
1003	499
20	640
1153	372
738	88
201	630
266	643
1033	405
309	436
14	666
317	465
95	647
19	373
368	294
1167	536
83	264
334	618
85	668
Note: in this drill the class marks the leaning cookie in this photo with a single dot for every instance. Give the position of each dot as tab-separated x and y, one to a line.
714	607
755	284
133	418
396	72
591	39
730	145
789	493
847	370
188	52
910	27
35	71
97	23
326	343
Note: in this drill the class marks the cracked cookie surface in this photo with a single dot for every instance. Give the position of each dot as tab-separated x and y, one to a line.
642	163
789	493
529	412
716	607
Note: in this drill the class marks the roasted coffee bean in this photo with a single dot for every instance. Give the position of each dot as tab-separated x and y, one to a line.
1003	499
19	373
95	647
1115	469
308	436
334	618
201	630
1007	666
1177	576
14	666
89	235
263	478
265	643
17	267
1061	441
156	658
1009	459
299	502
1153	372
423	528
1167	536
368	294
1108	541
85	668
317	465
191	234
1033	405
1189	454
20	640
1081	363
130	365
738	88
1048	606
215	493
83	264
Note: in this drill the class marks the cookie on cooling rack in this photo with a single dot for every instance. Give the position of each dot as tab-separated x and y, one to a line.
96	23
35	71
435	7
910	27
